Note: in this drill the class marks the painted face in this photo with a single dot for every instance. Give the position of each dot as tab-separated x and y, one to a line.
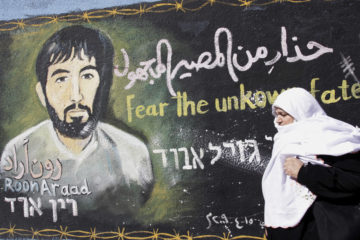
72	83
71	88
282	118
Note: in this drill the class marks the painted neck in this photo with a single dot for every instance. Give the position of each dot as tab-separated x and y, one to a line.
75	145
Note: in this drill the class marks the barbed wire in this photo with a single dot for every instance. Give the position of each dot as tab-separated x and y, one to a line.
64	233
141	9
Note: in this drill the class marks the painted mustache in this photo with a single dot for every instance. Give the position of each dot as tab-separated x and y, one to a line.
79	106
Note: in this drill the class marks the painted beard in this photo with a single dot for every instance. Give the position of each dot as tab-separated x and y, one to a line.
75	129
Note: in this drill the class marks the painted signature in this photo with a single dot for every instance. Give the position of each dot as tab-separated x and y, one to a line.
227	222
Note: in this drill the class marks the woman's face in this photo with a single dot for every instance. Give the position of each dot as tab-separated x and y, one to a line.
282	118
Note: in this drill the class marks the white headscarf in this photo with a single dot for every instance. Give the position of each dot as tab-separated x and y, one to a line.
312	133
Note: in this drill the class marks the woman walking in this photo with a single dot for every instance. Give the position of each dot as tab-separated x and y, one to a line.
311	185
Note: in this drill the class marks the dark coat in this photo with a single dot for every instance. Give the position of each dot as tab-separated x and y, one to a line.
335	214
336	210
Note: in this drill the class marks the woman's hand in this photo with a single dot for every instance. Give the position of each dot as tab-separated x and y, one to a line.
292	167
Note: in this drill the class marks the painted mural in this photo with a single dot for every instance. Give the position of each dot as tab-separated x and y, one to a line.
154	120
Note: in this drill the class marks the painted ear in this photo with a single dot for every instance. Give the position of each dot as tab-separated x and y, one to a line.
40	93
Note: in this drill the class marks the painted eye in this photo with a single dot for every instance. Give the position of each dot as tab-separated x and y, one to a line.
87	76
60	79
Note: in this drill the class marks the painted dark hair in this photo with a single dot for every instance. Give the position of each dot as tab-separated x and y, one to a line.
59	48
93	42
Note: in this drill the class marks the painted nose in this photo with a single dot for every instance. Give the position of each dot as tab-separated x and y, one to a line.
76	95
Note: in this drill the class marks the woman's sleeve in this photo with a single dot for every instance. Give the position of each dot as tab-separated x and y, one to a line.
341	180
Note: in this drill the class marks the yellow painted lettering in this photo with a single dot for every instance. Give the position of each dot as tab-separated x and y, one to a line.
328	97
313	90
223	107
162	108
272	98
139	109
233	101
187	104
128	106
245	98
151	110
178	98
344	86
355	90
200	104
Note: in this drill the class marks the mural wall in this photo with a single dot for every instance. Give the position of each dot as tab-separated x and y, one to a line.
155	119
